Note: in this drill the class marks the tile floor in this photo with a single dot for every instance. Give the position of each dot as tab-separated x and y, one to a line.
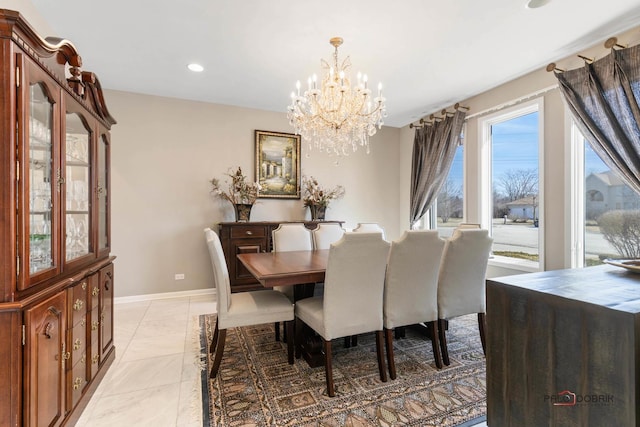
154	379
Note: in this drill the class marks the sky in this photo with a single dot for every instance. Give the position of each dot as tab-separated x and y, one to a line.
515	146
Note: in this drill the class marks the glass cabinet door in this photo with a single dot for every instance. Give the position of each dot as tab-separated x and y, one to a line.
41	180
77	202
103	193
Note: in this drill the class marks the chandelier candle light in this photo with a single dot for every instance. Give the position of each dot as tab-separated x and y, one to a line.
336	117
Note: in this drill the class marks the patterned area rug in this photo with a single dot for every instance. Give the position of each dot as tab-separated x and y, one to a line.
256	387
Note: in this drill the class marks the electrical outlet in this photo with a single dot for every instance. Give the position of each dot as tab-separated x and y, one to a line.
179	276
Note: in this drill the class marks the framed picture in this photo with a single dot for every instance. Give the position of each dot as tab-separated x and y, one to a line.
278	164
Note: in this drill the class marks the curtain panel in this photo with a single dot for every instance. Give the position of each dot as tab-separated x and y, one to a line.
603	99
434	147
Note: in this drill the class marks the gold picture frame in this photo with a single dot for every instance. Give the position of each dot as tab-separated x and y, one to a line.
278	164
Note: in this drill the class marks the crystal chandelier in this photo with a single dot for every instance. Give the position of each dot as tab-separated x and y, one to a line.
336	117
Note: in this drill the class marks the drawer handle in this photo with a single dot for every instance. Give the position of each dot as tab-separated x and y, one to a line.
94	325
83	322
95	359
77	383
83	358
95	291
77	306
84	286
77	344
249	233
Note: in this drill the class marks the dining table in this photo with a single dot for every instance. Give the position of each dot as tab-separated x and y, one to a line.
286	268
301	269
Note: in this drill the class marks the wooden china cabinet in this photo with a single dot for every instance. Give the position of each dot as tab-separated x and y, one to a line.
56	271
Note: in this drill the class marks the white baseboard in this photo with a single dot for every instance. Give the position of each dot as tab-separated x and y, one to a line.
165	295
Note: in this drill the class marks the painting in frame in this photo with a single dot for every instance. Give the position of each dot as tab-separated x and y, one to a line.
278	164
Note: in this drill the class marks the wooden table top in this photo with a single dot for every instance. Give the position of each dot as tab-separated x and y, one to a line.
602	285
286	268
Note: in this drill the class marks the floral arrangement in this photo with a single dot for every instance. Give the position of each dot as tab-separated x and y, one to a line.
239	191
315	195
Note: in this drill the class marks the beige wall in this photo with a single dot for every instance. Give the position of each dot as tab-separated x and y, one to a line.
164	151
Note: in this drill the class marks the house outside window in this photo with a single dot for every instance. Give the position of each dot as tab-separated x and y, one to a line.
607	211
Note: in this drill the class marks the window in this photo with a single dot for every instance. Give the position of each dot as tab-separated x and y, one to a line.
602	201
510	181
449	205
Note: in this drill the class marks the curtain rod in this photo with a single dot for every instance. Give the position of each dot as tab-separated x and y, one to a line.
434	119
611	43
512	102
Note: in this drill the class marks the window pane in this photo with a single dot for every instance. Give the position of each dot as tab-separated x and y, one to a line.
514	180
612	218
449	206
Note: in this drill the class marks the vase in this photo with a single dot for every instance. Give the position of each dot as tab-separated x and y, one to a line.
317	212
243	211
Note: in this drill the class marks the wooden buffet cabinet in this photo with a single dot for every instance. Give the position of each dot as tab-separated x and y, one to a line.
244	237
56	271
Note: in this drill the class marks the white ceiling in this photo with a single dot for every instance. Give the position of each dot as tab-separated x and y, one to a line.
428	54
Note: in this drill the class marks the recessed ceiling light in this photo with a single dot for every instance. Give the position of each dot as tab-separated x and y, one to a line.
195	67
534	4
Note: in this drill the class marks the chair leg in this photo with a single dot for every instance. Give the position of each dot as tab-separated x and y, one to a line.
380	353
298	340
328	368
443	342
289	329
277	327
435	342
388	335
214	341
482	324
218	356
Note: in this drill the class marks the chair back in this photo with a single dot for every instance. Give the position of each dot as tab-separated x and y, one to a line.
354	283
465	225
411	282
326	234
461	283
220	271
369	227
291	237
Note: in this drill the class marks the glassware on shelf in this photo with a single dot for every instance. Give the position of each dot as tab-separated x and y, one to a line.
40	249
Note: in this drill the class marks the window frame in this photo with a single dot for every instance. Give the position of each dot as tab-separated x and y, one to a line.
485	168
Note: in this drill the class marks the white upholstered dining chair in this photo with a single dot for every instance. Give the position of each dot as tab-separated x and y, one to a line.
352	300
461	282
290	237
369	227
326	234
242	308
411	288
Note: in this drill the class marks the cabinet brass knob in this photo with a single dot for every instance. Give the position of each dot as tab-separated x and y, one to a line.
95	291
77	344
77	306
84	286
249	233
94	325
83	322
95	359
66	355
77	383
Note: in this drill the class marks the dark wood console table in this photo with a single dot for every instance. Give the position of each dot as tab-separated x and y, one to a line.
563	348
246	237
